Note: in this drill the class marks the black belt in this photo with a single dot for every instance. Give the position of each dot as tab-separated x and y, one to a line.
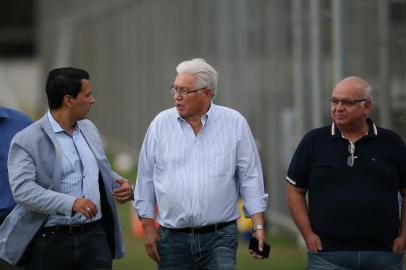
204	229
72	229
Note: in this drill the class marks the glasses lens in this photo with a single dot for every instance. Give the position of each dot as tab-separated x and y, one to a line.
350	161
345	102
335	101
351	158
351	148
179	91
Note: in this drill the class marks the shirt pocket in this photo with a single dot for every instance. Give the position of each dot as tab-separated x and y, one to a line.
221	162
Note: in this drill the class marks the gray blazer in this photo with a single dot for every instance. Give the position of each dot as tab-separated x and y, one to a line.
34	166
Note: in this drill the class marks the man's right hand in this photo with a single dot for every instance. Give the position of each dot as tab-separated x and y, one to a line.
313	242
300	213
151	237
86	207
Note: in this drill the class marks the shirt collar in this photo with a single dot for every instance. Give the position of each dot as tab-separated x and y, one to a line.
205	118
211	111
56	128
372	130
209	114
4	113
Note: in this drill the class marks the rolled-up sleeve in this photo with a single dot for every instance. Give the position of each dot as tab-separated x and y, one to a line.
251	180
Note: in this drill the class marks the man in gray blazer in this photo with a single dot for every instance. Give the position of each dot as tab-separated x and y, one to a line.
65	217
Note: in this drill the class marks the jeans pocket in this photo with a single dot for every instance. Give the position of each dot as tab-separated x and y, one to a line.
44	240
229	231
163	234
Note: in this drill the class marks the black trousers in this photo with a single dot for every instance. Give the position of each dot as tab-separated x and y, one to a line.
86	250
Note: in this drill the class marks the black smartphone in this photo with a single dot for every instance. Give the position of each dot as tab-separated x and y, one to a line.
254	247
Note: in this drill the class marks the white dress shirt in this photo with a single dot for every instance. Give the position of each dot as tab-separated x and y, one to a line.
196	180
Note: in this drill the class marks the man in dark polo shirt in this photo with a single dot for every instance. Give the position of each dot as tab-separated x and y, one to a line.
352	171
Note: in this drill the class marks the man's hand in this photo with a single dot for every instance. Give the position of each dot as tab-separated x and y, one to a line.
399	244
313	242
260	235
151	237
86	207
300	213
123	193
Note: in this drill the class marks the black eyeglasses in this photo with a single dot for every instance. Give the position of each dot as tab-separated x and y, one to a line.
183	91
352	157
346	102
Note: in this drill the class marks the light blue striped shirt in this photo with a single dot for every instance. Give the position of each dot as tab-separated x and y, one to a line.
196	180
80	172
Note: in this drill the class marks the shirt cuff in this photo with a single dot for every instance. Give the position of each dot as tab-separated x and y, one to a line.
255	205
67	206
144	209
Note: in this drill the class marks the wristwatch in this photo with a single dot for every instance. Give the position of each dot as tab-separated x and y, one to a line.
258	227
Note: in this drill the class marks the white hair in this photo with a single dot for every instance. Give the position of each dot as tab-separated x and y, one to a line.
367	88
206	74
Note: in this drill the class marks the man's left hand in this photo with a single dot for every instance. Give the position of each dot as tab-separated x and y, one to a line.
123	193
260	235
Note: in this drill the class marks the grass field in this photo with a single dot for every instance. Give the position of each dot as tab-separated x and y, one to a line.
284	253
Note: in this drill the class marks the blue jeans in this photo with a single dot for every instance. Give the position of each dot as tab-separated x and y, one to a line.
355	260
211	251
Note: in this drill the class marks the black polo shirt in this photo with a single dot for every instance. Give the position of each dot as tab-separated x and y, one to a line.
351	208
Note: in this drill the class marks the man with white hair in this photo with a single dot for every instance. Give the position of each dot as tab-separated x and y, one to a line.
195	162
353	172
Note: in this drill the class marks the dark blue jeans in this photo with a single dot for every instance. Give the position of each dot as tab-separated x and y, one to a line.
355	260
64	251
211	251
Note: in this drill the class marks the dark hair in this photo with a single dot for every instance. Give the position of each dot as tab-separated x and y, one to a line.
64	81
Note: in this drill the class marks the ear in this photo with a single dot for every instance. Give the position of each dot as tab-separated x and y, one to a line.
368	106
67	101
209	93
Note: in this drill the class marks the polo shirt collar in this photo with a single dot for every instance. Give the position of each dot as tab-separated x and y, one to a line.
372	130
